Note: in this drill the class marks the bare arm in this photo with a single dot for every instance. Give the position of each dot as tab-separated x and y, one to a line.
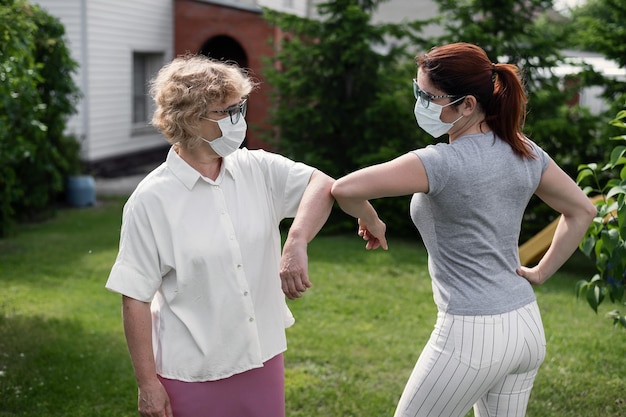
401	176
313	212
561	193
153	401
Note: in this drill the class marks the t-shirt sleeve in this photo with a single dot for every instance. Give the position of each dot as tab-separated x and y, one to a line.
136	271
541	155
436	166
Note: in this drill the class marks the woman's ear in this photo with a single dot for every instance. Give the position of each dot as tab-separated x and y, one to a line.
469	105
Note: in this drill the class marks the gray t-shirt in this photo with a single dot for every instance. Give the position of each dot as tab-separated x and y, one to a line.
470	222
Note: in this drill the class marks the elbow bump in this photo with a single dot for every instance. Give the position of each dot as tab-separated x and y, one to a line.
336	189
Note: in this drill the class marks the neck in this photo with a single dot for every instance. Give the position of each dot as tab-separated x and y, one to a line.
468	126
203	160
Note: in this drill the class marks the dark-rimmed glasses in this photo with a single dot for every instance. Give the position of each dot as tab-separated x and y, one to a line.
424	97
235	112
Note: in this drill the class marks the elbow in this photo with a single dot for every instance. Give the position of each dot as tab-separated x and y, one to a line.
581	213
339	189
591	211
322	182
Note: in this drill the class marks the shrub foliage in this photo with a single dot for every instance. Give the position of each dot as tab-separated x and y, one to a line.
37	94
341	100
605	240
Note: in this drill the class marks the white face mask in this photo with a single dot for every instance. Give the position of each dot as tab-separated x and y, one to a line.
429	118
232	136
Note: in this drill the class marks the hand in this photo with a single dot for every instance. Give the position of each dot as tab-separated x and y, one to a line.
532	275
153	401
373	234
294	274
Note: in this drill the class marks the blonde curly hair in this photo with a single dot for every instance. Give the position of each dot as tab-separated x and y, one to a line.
187	88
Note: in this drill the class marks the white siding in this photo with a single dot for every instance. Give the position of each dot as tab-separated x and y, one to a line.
117	28
102	35
396	11
295	7
391	11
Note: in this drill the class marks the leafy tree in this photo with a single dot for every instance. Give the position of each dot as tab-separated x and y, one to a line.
18	102
598	25
605	240
506	30
340	104
37	94
341	100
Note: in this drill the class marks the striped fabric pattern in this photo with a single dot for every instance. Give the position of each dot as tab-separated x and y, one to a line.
488	362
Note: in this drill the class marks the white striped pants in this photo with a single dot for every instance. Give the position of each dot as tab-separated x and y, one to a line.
489	362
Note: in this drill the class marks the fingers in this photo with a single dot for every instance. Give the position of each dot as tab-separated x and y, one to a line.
383	243
532	275
289	289
372	241
294	285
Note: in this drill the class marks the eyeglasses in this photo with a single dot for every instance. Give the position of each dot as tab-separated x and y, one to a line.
235	112
424	97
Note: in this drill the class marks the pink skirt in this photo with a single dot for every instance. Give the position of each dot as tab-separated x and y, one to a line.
258	392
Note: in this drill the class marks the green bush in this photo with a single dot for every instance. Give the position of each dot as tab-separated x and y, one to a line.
606	238
37	94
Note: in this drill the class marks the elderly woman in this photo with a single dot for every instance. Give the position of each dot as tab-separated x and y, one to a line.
199	264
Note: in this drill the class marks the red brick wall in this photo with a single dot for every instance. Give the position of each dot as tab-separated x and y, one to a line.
196	22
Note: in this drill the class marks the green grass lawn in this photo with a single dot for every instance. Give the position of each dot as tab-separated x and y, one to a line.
358	331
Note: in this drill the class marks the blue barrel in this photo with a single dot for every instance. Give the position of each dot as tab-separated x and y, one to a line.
81	191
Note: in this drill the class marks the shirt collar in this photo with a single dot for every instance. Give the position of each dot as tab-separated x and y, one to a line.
186	174
181	169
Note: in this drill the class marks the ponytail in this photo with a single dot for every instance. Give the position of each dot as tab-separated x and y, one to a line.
505	113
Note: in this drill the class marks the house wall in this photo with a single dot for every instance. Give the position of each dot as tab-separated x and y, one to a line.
397	11
116	29
103	34
296	7
403	11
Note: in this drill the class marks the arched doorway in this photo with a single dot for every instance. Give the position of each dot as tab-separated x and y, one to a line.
225	48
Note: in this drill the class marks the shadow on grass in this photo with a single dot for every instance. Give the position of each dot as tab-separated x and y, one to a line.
52	367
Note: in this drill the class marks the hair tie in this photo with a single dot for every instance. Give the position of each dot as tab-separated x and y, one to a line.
494	71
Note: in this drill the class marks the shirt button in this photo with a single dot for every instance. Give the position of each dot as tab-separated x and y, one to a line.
238	266
251	319
245	293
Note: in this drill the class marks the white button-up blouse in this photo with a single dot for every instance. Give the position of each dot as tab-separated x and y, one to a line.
206	255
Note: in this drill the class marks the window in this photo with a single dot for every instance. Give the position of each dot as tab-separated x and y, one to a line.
145	66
